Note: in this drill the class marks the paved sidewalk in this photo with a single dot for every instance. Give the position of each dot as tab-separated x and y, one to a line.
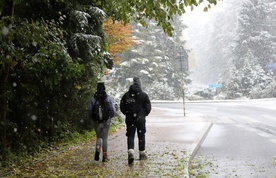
171	141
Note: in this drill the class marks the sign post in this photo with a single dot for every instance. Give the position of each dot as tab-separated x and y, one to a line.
182	64
183	91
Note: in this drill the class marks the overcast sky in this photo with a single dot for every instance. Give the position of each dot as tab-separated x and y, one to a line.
200	24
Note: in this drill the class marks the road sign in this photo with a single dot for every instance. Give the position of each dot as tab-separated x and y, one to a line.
271	66
215	85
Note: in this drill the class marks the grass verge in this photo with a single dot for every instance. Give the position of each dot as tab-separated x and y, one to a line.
56	148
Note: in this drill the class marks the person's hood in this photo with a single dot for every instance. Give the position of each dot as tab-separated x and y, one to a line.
134	89
100	87
137	81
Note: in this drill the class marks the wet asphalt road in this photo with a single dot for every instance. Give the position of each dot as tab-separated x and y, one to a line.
242	141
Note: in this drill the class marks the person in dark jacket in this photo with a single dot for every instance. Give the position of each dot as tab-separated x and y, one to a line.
135	105
101	128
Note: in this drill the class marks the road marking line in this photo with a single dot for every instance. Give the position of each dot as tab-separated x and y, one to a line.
249	119
264	134
273	140
251	129
239	125
269	117
227	120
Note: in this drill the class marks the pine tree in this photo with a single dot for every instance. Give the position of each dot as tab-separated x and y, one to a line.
153	59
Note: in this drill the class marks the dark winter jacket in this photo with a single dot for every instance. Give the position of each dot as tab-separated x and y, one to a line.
142	105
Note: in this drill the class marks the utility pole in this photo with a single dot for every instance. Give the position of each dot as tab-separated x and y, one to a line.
183	59
183	91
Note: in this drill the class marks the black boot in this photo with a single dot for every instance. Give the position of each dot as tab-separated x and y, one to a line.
105	157
97	153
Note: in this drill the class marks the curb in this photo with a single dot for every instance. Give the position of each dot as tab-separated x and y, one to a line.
192	150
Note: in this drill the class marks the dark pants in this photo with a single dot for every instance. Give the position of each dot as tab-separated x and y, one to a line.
140	126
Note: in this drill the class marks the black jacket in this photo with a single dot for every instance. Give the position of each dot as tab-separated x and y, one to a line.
142	103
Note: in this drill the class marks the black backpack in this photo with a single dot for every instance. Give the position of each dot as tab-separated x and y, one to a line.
100	112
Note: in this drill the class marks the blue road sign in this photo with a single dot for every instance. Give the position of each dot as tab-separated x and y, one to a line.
215	85
271	66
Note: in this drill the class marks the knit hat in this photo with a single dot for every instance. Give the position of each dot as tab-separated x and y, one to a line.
137	81
100	87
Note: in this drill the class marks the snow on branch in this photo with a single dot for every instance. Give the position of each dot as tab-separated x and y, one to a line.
79	40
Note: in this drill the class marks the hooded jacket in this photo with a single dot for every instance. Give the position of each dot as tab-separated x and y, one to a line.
101	94
142	103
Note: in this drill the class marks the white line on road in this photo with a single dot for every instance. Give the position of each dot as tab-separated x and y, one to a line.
226	120
273	140
264	135
251	129
249	119
269	117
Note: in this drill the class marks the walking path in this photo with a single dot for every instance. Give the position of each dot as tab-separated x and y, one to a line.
171	141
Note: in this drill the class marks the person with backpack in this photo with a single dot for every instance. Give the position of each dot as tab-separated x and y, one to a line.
101	109
135	105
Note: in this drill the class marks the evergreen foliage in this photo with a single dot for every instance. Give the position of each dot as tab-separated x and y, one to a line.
237	45
155	60
49	65
42	89
253	50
